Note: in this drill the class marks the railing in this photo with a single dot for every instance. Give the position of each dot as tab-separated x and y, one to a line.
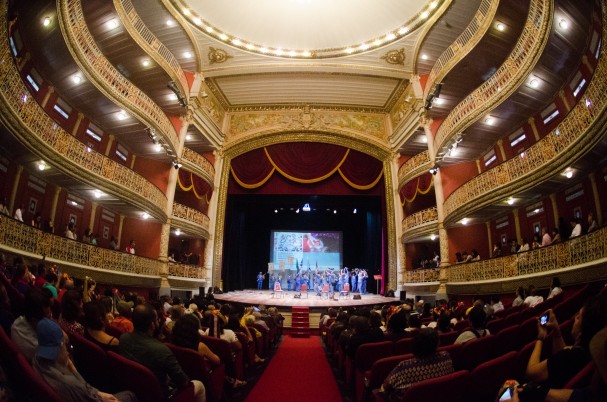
200	162
152	45
20	236
36	127
422	275
418	164
420	218
105	77
186	271
571	135
506	79
191	215
581	250
464	43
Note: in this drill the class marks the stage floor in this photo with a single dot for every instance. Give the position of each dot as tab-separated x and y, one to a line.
256	297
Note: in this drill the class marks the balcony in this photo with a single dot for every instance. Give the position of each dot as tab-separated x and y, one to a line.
190	220
419	223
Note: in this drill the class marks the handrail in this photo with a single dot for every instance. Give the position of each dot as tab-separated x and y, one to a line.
509	76
151	44
34	126
571	135
19	236
195	161
186	271
190	215
422	275
580	250
420	218
105	77
413	167
471	36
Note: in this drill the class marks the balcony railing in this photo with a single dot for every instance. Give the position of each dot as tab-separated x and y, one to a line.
581	250
186	271
422	275
580	129
463	44
196	162
151	44
191	215
25	238
415	166
33	125
106	77
506	79
420	218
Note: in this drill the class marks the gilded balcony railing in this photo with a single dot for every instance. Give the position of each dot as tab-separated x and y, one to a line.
422	275
186	271
420	218
22	237
199	164
511	74
151	44
191	215
413	167
35	127
473	33
106	77
581	250
579	130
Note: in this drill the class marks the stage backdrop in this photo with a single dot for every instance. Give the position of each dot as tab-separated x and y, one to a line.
268	184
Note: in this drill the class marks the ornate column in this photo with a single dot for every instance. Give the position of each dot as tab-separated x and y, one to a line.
110	142
500	146
119	237
595	196
11	202
441	293
489	239
398	219
536	134
517	226
133	158
563	98
77	125
478	167
92	220
54	205
47	96
555	210
165	287
209	251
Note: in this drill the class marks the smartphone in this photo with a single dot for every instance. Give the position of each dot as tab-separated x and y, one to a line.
544	318
506	395
255	309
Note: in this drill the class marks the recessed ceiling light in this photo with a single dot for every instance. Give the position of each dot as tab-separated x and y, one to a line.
145	215
306	53
500	26
209	29
423	139
177	232
145	63
424	56
97	193
42	165
223	36
390	36
534	83
349	50
377	42
465	221
186	11
76	79
263	49
433	5
424	15
172	96
46	21
113	23
278	52
187	55
236	42
432	237
563	23
403	30
489	120
188	137
569	174
170	23
157	147
364	46
122	115
292	53
510	201
250	46
197	21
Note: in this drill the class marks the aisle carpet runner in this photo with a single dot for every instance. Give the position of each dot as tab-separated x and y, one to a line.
298	372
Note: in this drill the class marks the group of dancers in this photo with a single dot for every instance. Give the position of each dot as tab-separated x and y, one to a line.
315	280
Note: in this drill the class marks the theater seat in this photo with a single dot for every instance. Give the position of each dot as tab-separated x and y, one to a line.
449	388
366	355
30	383
92	363
489	376
475	352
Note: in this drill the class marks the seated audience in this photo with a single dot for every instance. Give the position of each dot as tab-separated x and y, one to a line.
532	299
496	304
363	333
477	319
497	250
520	296
546	239
72	312
23	331
94	327
122	322
556	238
141	346
576	228
22	279
564	363
475	256
555	288
592	223
53	363
6	316
397	322
524	246
427	363
535	244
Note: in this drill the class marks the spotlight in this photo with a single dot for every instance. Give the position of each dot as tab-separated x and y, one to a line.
173	87
437	89
434	169
177	232
355	211
157	146
176	164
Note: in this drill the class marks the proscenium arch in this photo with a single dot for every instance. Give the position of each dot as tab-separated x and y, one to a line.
377	151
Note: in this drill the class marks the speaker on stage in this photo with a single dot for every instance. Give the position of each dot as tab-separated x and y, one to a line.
356	296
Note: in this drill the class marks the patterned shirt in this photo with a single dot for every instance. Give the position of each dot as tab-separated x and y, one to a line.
411	371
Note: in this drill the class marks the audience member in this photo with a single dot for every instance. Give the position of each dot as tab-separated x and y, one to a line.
397	323
23	331
520	296
6	316
478	319
122	322
555	288
496	304
4	207
22	279
94	324
72	312
113	244
592	223
53	363
141	346
514	246
363	333
131	247
497	250
546	239
524	246
475	256
19	213
556	238
532	298
576	228
535	244
69	231
427	363
37	221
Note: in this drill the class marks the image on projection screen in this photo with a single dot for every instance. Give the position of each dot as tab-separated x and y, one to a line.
291	250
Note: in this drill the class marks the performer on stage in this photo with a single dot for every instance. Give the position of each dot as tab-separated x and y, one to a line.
365	277
259	281
297	282
354	279
289	282
331	281
360	281
347	278
340	281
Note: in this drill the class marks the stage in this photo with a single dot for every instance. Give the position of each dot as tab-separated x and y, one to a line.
287	299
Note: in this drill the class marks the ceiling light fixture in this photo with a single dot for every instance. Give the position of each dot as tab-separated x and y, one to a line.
306	207
187	55
145	215
177	232
489	120
157	146
170	23
569	174
46	21
465	221
42	165
76	79
434	169
97	193
563	23
534	83
500	27
432	237
424	56
145	63
354	211
510	201
122	115
113	23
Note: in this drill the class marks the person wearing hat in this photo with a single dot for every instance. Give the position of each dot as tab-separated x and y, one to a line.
122	321
53	363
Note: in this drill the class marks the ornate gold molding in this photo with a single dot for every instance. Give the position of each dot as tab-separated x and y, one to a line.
413	167
198	164
105	77
395	57
186	271
218	55
142	35
507	79
183	24
422	222
190	220
421	276
467	40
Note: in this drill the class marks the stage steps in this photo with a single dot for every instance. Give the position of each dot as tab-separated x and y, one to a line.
300	321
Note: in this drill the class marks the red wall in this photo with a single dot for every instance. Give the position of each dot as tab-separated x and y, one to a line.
454	176
155	171
146	234
466	238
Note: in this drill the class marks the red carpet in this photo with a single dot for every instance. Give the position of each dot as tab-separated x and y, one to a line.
298	372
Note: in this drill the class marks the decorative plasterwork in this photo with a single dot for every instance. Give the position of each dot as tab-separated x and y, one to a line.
371	126
183	24
198	164
218	55
395	57
151	44
413	167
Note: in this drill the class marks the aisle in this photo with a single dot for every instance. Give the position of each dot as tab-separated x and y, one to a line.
298	372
